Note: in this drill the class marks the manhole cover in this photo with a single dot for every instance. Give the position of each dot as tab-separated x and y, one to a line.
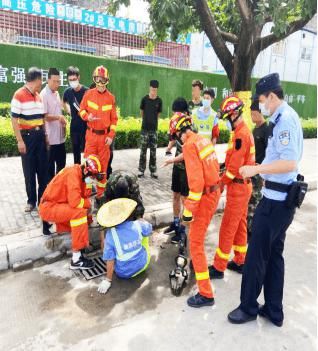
97	271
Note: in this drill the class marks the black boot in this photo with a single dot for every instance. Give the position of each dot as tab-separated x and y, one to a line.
46	228
215	274
235	267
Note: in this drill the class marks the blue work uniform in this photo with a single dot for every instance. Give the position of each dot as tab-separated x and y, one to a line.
124	244
264	263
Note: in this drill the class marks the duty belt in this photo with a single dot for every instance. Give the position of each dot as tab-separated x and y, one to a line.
98	131
210	189
35	129
241	181
282	188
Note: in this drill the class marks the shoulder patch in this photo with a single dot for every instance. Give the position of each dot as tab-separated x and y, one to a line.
238	144
284	137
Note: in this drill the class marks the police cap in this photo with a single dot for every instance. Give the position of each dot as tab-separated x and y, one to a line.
268	83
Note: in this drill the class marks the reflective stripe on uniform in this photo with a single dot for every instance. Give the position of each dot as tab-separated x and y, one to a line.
187	213
89	186
82	113
101	185
202	275
206	151
230	143
81	204
252	150
241	249
107	107
119	251
78	222
92	105
229	175
194	196
222	254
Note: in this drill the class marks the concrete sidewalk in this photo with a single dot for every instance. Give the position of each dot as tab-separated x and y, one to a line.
20	234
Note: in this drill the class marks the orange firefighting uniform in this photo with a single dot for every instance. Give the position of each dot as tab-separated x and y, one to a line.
65	202
100	105
233	233
203	176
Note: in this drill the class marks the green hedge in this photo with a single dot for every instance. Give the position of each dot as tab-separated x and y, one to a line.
128	132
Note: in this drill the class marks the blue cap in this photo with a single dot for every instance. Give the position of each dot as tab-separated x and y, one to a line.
268	83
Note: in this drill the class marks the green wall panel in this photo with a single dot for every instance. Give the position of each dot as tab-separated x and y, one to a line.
129	81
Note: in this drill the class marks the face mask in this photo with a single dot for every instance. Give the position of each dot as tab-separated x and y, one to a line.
264	111
228	125
88	180
206	103
74	84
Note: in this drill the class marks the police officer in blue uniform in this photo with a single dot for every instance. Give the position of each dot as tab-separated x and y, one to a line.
264	263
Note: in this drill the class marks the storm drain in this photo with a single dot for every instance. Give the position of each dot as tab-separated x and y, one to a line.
97	271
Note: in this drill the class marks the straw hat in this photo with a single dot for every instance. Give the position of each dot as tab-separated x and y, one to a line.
115	212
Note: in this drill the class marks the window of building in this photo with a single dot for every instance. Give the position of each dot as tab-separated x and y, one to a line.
305	54
279	48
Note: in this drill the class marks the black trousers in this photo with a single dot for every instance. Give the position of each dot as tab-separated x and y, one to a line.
78	145
57	160
109	167
264	262
34	164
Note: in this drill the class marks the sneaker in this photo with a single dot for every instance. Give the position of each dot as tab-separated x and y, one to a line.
154	175
199	300
141	175
215	274
235	267
176	239
82	263
29	208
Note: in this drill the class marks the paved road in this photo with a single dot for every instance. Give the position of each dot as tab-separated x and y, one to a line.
48	308
13	197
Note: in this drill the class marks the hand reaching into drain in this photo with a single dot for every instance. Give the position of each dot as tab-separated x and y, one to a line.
104	286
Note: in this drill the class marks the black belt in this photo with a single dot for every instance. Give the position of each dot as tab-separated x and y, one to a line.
282	188
35	129
241	181
98	131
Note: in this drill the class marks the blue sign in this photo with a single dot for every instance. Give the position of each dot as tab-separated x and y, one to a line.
74	14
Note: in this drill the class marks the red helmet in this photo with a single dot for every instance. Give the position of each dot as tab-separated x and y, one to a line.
178	121
101	76
92	165
229	105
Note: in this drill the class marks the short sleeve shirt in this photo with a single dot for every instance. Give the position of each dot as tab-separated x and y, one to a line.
151	108
53	106
74	98
286	143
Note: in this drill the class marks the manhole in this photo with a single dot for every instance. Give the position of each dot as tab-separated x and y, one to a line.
97	271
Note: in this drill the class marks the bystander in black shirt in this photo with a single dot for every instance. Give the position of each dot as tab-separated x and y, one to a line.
74	98
192	105
260	134
151	108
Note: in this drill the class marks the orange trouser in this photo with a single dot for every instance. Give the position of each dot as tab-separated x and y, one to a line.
95	144
197	233
233	227
68	219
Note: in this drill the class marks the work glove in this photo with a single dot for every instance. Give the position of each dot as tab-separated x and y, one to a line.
104	286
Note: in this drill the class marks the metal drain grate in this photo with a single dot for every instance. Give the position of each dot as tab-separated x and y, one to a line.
97	271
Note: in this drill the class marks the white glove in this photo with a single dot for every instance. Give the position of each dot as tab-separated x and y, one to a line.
104	286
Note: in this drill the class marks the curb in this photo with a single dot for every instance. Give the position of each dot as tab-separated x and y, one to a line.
19	251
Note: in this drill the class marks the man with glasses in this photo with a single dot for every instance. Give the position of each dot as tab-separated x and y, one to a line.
72	98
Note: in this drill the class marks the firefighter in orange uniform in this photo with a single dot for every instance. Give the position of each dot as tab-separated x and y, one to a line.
65	203
203	176
98	108
240	152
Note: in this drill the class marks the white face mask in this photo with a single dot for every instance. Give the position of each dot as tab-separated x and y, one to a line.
74	84
206	103
264	111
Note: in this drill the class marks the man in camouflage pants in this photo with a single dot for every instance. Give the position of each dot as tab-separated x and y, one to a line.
260	134
150	108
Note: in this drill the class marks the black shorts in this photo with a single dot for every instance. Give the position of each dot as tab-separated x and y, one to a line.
179	181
